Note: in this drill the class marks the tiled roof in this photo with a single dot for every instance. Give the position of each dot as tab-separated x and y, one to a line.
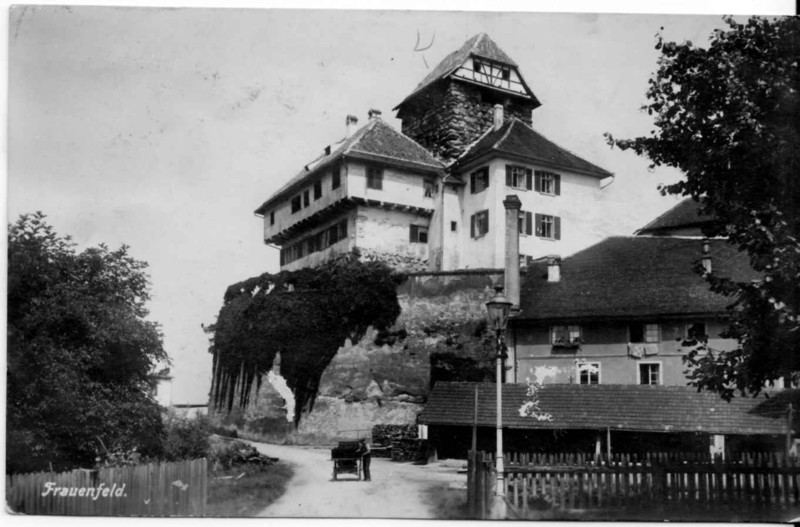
632	276
629	407
520	140
377	141
684	214
480	45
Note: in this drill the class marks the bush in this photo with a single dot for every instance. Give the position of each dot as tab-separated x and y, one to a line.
186	438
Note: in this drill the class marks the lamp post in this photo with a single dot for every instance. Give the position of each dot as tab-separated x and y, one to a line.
498	308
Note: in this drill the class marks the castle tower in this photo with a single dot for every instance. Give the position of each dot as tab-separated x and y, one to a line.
453	105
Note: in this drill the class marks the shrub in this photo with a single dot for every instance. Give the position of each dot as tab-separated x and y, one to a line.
186	438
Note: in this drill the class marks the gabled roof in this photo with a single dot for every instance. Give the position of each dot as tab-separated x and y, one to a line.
517	139
480	45
375	141
632	277
685	214
627	407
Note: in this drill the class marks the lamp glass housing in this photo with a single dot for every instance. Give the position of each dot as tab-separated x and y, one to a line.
498	308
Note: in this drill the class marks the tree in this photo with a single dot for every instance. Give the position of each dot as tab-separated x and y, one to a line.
306	316
80	351
728	116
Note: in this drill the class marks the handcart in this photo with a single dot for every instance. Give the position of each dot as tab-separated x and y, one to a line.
346	459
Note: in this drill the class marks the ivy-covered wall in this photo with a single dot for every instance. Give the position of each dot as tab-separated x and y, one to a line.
386	377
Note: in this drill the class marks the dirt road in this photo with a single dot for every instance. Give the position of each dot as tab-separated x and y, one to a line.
397	490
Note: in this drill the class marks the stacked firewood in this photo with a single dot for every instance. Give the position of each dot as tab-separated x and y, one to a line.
384	438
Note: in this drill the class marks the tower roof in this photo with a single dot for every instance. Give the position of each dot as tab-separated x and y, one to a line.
480	45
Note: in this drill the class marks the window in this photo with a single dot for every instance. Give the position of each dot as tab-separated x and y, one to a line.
375	178
479	180
335	178
418	234
548	226
588	372
314	243
519	177
306	200
646	333
317	189
696	331
565	335
649	373
525	223
296	204
272	218
547	183
429	188
479	224
453	226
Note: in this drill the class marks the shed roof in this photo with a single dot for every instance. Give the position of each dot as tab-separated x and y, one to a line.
632	276
684	214
633	407
374	141
517	139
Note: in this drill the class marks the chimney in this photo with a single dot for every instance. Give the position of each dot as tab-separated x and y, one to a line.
374	114
512	205
498	116
706	256
554	268
351	121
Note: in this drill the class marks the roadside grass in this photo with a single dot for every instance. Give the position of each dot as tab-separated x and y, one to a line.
245	490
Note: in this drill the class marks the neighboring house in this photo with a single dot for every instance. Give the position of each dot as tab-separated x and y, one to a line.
623	311
684	219
431	197
604	332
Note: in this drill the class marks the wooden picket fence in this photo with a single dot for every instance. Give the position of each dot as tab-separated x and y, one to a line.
569	482
163	489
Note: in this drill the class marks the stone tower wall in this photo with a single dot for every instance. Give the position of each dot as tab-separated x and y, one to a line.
449	116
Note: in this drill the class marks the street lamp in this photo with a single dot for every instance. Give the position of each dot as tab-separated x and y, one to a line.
498	308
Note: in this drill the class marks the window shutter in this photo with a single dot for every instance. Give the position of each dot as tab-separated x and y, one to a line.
538	225
485	177
557	227
529	179
472	183
528	223
413	233
472	225
557	183
538	182
508	176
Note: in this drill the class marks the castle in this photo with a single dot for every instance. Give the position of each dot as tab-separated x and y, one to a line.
431	196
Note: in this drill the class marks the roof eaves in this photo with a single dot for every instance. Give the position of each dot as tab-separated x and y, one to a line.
345	146
371	156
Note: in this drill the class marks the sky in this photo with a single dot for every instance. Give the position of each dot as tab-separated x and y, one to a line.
164	129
